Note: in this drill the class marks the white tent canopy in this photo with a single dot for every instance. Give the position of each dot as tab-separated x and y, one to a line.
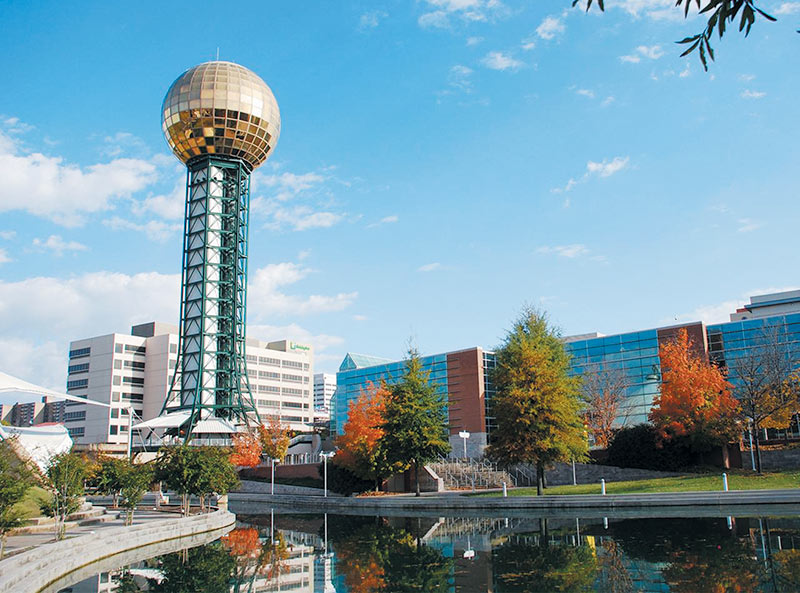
167	421
10	384
40	443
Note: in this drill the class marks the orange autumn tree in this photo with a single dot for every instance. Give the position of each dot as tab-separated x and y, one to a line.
695	400
360	449
246	449
275	438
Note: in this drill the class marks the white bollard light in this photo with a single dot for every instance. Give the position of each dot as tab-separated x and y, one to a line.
725	482
505	490
602	486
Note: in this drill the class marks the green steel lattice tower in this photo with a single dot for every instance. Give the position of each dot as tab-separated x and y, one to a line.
222	121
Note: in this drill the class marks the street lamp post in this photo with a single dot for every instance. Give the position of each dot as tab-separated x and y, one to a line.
272	481
325	457
464	435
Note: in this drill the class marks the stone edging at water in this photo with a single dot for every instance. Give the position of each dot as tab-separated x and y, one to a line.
454	502
36	569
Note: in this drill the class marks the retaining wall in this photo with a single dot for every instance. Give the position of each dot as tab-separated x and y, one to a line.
776	459
44	565
590	473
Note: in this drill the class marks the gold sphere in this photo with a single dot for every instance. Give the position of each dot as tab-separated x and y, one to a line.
224	109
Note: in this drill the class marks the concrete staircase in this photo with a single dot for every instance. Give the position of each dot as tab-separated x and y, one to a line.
87	515
470	474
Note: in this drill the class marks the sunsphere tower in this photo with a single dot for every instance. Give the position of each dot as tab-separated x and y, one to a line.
222	121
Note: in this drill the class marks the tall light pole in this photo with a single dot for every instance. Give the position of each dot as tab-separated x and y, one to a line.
464	435
272	479
325	457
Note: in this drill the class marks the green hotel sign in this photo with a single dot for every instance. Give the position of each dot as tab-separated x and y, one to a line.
294	346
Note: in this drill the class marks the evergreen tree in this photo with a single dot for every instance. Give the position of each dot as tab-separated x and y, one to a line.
16	477
415	419
538	405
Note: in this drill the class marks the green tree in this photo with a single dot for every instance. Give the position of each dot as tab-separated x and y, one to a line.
522	567
135	481
721	13
196	471
538	405
65	475
16	477
108	478
415	419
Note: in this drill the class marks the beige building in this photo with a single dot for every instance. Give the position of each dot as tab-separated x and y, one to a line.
134	371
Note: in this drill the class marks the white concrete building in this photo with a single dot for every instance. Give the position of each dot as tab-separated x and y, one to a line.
767	305
135	371
324	388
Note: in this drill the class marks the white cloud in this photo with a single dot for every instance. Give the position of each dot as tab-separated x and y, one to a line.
529	43
585	93
748	225
46	186
440	12
607	101
651	52
4	257
787	8
432	267
653	9
720	312
746	77
497	60
434	20
58	246
687	71
155	230
749	94
360	317
8	235
569	251
310	194
169	206
607	168
296	333
385	220
371	19
460	78
550	27
474	40
123	142
40	316
264	296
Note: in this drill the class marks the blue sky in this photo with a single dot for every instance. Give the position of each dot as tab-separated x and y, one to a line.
441	164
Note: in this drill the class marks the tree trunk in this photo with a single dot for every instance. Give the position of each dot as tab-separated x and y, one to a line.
544	477
416	476
756	447
539	479
2	545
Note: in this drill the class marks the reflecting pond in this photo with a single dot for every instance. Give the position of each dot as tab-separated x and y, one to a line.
369	554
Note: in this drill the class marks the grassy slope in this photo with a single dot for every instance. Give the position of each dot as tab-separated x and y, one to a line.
30	503
737	480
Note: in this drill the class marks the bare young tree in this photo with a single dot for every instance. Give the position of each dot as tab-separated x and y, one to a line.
766	382
604	389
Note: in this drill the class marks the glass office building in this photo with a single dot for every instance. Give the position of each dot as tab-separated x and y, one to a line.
460	377
633	356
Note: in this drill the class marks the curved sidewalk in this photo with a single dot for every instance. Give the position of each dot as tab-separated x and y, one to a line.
40	568
668	503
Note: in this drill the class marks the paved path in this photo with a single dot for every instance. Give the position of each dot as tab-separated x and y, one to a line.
28	540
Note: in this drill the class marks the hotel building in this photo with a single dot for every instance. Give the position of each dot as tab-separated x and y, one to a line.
134	371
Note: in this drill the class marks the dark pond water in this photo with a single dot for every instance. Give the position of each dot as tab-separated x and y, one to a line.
368	554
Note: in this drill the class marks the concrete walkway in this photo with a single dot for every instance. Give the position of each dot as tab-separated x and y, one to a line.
19	543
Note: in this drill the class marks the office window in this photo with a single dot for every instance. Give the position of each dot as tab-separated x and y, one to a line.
113	429
80	352
138	350
134	364
76	369
77	431
133	380
173	348
115	396
115	412
77	384
118	348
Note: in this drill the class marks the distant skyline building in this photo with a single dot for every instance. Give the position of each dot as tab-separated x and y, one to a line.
222	121
461	378
47	410
135	371
324	388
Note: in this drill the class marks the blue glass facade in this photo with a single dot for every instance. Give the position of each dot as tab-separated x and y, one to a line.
635	355
729	342
352	378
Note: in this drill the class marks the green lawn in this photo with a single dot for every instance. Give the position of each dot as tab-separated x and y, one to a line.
737	480
30	503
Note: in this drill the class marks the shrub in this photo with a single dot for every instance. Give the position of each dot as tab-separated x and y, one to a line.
638	446
343	481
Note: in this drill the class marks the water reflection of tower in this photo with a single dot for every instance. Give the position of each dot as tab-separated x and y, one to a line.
222	121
